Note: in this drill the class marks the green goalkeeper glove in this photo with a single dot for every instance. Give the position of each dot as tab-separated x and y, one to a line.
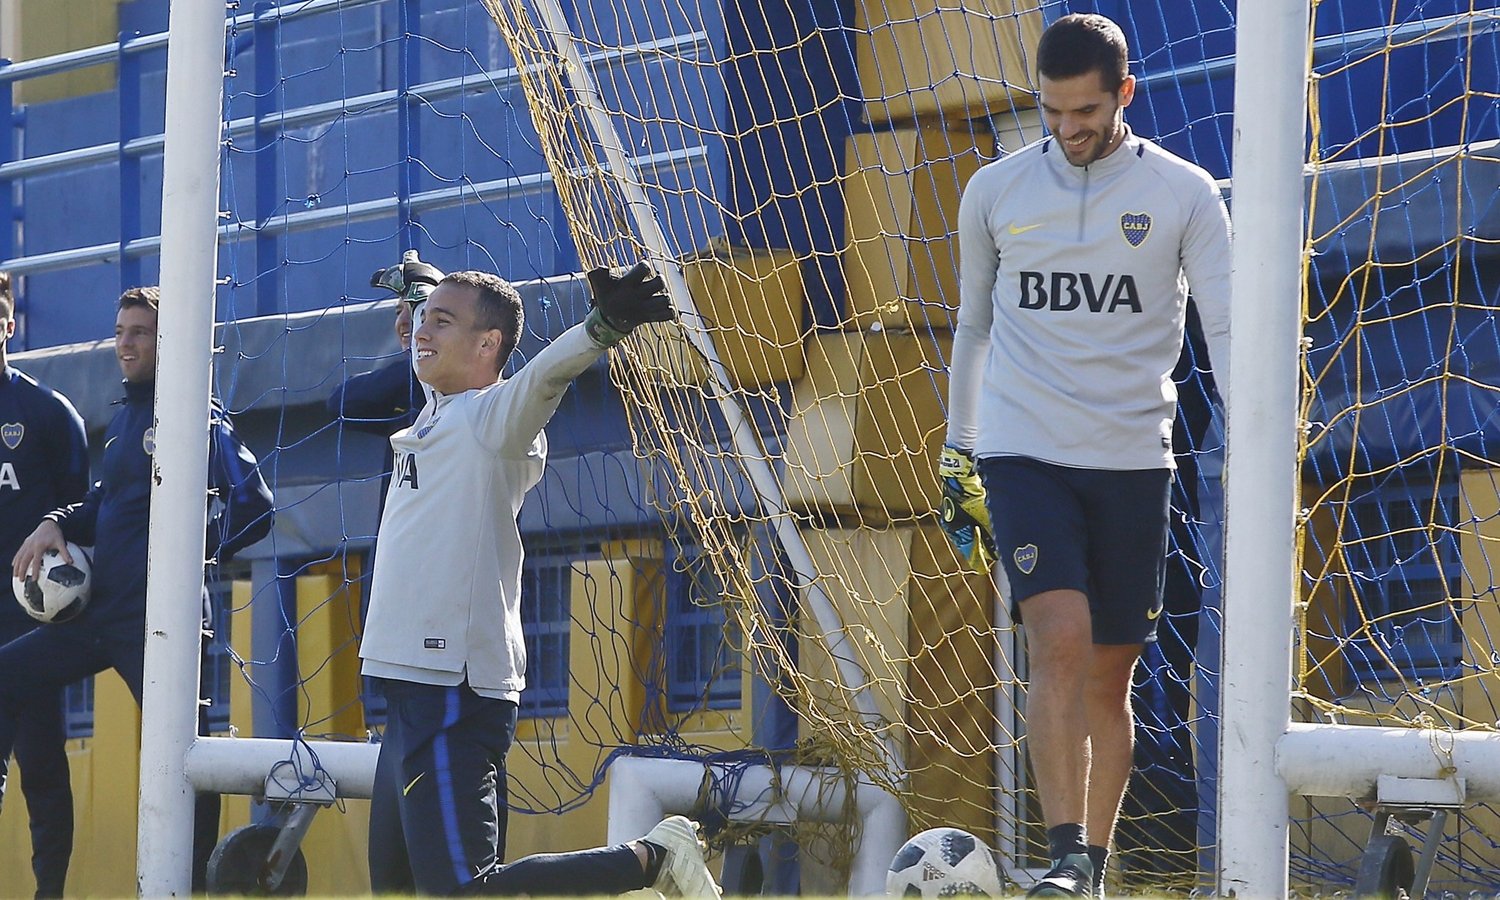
964	517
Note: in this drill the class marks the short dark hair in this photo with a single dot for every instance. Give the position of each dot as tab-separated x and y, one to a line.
1081	43
7	300
499	307
149	295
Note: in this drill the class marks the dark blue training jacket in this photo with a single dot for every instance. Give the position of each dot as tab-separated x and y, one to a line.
44	464
381	402
115	515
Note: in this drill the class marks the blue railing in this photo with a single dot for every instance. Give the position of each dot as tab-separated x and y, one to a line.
138	145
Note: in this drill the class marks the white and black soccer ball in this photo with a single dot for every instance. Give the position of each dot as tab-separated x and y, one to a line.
944	862
61	591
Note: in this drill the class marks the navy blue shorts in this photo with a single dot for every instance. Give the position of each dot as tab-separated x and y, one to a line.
1098	531
439	809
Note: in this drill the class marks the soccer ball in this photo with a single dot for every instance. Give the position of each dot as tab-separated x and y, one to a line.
61	591
944	862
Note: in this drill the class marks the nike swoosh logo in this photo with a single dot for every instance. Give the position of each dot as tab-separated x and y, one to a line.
1022	229
111	441
407	790
1152	614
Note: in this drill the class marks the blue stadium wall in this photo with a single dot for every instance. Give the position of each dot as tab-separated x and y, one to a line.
311	227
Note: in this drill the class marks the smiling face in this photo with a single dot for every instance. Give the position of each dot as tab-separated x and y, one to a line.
404	323
1087	120
135	343
454	353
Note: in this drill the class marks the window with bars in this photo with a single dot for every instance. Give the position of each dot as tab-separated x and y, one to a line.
546	609
703	664
1405	567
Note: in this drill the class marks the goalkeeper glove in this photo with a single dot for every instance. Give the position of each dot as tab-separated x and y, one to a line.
624	298
411	279
964	517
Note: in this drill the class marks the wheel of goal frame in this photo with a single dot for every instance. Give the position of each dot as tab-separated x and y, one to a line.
240	865
1386	869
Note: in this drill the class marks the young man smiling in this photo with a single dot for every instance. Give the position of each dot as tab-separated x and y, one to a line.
444	627
1076	255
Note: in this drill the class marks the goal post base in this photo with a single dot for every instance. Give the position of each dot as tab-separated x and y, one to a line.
283	769
644	790
1367	752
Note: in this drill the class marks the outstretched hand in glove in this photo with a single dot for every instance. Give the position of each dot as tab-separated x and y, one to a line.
624	298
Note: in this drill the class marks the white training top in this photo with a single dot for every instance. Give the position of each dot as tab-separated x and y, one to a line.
445	602
1072	302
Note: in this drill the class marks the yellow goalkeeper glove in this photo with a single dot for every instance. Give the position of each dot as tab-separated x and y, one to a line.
963	515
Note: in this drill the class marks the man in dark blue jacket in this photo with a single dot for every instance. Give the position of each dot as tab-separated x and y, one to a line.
44	464
386	400
115	518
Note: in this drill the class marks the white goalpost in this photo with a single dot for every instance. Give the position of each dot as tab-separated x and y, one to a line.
1260	504
175	761
190	215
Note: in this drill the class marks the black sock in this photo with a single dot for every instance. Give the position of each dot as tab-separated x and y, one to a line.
1065	839
655	856
1099	856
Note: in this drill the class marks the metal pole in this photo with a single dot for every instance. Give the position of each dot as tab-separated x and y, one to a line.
1260	580
190	206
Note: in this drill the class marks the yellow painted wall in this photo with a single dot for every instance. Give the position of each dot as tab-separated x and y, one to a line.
1479	548
41	28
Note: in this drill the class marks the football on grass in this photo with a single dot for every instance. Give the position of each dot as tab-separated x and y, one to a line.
944	862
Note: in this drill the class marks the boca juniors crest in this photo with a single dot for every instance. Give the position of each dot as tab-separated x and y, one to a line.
1135	227
11	433
1025	557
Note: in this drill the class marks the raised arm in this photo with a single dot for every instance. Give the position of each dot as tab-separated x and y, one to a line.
521	407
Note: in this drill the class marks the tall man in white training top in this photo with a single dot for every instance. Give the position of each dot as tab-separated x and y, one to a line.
1077	254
